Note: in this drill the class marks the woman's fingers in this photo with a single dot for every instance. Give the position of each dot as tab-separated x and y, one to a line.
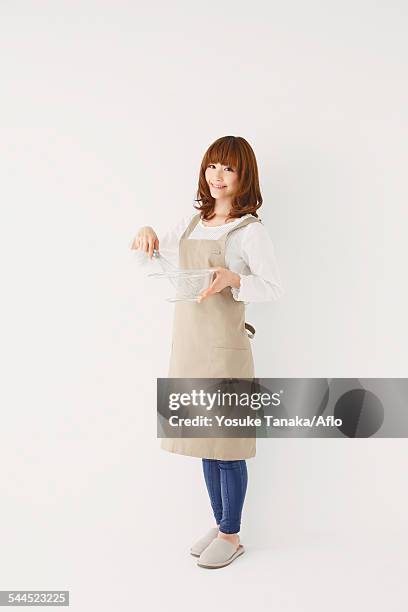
151	246
210	290
146	240
135	243
147	244
219	282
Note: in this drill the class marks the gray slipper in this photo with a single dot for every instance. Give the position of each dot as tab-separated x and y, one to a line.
203	542
219	553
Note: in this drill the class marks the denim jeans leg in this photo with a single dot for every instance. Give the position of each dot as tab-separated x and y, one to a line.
213	483
234	480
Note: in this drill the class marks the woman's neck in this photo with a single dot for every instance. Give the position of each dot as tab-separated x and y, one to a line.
222	208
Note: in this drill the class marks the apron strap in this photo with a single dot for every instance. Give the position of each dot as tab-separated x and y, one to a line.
227	234
190	226
251	328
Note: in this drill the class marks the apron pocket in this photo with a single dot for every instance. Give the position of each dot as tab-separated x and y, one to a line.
231	363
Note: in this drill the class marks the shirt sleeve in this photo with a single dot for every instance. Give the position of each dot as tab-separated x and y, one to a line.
264	283
168	245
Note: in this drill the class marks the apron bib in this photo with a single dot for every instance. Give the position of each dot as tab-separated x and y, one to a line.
210	341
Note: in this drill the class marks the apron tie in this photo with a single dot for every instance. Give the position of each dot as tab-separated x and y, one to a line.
251	328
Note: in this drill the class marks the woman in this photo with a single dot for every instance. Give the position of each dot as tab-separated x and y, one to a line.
210	338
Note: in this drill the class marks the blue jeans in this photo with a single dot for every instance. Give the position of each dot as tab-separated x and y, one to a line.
226	484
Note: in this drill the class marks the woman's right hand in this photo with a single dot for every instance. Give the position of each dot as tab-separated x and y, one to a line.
146	240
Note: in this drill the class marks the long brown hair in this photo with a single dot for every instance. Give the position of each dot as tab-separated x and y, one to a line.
237	153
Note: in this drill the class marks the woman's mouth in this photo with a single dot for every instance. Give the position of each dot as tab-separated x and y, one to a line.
217	186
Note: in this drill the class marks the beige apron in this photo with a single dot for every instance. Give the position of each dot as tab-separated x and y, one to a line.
210	341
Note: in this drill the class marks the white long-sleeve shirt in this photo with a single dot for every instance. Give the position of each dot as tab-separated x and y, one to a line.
248	251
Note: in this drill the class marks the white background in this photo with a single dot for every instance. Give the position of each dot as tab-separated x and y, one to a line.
106	111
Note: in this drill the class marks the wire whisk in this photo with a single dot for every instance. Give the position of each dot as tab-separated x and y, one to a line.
170	268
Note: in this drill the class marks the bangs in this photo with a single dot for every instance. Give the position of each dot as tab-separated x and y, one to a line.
225	152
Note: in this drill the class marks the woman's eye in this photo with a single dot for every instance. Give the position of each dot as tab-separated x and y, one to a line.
226	168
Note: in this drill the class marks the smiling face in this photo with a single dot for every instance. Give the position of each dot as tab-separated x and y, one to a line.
222	180
228	184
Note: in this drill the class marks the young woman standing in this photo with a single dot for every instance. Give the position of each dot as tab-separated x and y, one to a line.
210	338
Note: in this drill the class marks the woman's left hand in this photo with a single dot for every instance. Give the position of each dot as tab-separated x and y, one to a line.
223	278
